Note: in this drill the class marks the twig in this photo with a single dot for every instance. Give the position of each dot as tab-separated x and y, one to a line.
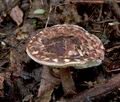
48	16
113	48
105	21
113	70
42	2
100	13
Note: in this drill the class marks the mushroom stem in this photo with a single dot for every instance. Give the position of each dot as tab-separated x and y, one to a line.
67	82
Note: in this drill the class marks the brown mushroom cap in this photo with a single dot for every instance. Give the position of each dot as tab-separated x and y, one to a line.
66	45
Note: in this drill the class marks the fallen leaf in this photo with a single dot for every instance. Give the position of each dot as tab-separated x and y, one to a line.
39	11
47	85
38	6
17	15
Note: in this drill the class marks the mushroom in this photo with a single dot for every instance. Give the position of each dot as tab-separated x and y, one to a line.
65	45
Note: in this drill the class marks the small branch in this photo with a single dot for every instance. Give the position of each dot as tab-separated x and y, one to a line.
113	48
48	18
98	91
100	13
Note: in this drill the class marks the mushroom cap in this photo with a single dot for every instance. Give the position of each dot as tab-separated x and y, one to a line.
66	45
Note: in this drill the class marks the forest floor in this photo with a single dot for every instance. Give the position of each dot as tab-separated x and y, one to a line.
20	76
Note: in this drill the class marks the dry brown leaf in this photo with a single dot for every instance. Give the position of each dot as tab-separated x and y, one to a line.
47	85
17	15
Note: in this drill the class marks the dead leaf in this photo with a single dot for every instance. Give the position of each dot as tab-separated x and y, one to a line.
47	85
17	15
37	4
